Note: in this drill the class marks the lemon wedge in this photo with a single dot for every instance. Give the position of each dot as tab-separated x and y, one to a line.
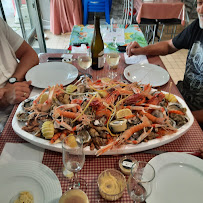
123	113
71	88
171	98
71	141
43	98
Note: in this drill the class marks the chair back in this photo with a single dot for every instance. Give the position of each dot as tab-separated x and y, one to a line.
127	12
96	6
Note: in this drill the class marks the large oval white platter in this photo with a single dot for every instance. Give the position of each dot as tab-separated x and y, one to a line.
125	149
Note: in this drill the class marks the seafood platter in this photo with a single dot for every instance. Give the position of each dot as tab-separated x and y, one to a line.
112	117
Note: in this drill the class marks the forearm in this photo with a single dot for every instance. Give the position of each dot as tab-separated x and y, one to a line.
161	48
28	58
198	115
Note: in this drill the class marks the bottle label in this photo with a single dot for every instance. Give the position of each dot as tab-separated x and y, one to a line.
101	59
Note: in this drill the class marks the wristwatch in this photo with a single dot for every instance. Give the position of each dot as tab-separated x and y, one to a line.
12	80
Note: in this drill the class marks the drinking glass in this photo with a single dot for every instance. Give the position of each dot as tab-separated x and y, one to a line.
139	183
85	61
73	158
112	60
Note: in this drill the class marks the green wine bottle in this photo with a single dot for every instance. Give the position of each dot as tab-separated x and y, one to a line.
97	46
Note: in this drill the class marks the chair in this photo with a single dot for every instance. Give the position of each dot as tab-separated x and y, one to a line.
129	17
189	13
127	12
96	6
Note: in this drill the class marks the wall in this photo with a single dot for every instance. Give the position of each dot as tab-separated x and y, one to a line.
45	13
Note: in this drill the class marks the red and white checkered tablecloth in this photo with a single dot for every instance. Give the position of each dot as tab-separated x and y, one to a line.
190	141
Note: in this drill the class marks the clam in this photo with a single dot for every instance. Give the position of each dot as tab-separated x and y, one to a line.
157	113
85	136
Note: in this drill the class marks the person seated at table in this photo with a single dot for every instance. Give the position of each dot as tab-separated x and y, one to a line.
190	38
16	58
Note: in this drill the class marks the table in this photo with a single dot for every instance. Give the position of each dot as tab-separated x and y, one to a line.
160	9
84	34
191	141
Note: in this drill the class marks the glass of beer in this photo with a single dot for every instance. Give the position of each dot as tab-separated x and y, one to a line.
75	196
112	60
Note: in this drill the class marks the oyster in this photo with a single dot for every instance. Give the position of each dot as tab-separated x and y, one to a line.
27	103
23	116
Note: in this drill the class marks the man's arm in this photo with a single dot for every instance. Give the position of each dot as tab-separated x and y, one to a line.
160	48
28	58
19	91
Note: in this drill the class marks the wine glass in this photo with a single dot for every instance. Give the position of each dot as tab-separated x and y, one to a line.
74	158
112	60
85	61
139	183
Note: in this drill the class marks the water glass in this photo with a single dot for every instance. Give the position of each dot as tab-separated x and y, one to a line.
139	184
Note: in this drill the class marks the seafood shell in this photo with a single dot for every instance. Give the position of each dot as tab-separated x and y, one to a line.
85	136
27	103
23	116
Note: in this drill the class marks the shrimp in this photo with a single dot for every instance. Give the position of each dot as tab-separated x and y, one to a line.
142	136
125	136
60	111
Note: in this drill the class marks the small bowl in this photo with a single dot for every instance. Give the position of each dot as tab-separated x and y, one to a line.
111	179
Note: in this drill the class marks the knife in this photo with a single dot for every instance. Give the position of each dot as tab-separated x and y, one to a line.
50	59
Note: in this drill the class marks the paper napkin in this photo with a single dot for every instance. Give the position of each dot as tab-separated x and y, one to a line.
21	151
81	49
135	59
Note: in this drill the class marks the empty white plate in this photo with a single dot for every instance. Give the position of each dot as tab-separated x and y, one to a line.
52	73
178	178
147	74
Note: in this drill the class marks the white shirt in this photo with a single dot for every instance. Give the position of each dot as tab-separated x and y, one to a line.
10	41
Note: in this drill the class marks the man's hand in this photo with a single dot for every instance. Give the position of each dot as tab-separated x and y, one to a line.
131	48
17	92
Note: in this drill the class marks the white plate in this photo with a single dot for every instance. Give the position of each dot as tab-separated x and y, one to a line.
126	149
30	176
147	74
52	73
178	178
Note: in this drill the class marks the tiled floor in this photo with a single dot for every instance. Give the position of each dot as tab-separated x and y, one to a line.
175	63
55	41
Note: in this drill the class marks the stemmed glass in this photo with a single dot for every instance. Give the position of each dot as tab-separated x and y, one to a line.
85	61
74	158
139	183
112	60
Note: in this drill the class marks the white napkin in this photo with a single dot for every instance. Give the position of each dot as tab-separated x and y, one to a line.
135	59
81	49
21	151
67	57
